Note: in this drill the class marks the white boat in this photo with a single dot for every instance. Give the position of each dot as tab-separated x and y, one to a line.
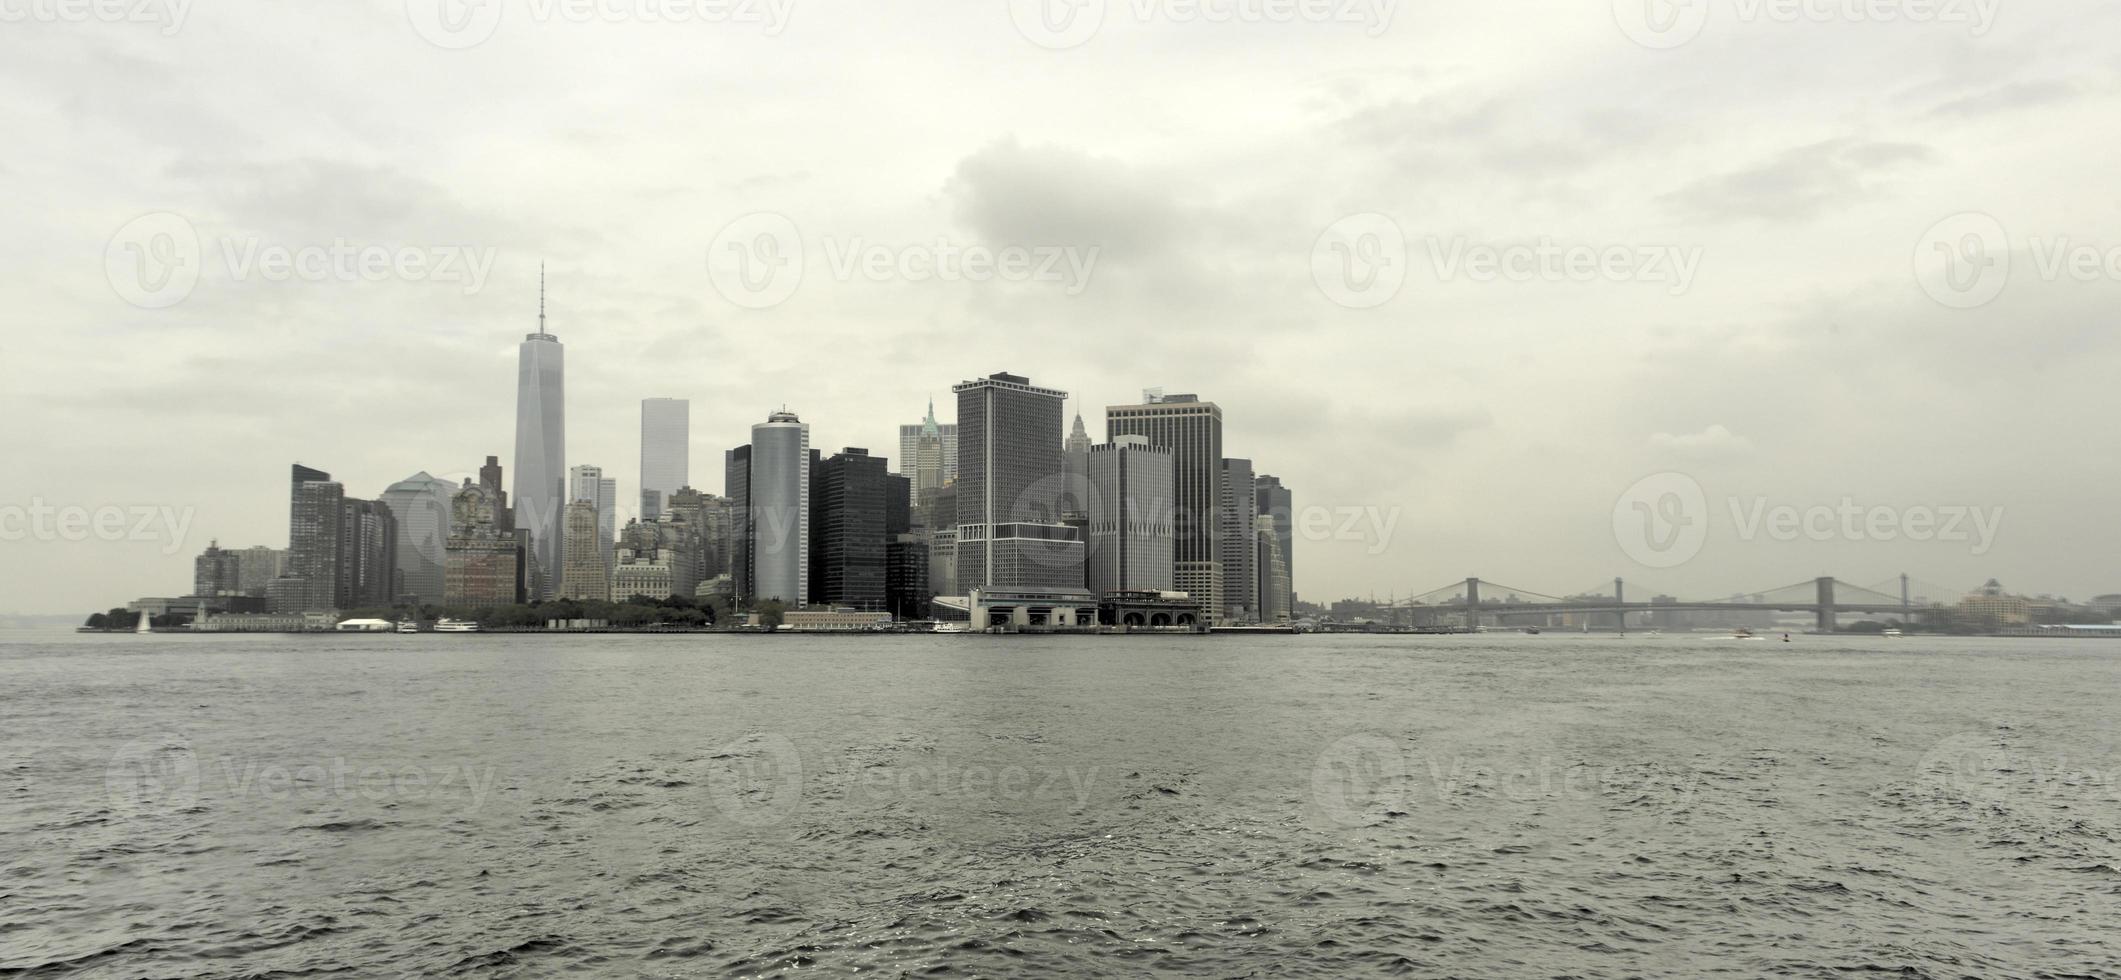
144	625
408	626
1894	633
455	626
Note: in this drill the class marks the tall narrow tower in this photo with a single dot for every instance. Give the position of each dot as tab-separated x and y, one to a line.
541	443
666	440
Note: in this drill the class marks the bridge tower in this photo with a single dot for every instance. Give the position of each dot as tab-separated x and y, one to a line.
1907	609
1826	604
1620	599
1472	604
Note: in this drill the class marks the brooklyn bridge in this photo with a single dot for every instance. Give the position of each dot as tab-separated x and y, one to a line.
1474	603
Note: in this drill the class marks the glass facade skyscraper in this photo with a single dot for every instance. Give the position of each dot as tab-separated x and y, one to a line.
1193	430
1009	534
666	453
541	443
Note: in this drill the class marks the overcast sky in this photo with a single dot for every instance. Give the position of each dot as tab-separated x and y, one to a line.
1719	248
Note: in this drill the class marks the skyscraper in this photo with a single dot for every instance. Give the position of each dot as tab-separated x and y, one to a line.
217	572
1273	574
584	574
260	566
420	505
666	452
1276	504
1129	509
313	515
848	530
588	483
736	485
482	565
1193	430
1240	543
368	555
776	496
1075	469
1009	531
541	441
927	453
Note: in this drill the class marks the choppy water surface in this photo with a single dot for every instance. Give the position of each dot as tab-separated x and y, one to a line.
1493	806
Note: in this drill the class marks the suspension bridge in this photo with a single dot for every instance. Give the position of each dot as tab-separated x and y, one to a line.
1473	603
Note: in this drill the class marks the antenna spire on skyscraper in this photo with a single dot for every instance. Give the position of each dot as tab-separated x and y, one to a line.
541	297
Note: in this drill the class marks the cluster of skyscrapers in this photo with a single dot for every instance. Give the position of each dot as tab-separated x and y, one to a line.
996	517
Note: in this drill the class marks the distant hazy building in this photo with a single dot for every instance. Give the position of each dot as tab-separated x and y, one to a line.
217	572
260	565
582	571
368	555
1129	516
1240	543
541	443
1274	592
707	516
482	564
602	492
769	481
847	536
1193	430
1009	533
666	452
315	508
657	559
1075	469
1273	501
420	505
927	454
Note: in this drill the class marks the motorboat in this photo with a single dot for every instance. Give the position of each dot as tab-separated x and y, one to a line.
456	626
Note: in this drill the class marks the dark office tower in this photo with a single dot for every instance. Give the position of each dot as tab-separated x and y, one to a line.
1276	504
541	443
217	572
736	469
368	555
898	504
1193	430
1009	466
906	591
1240	544
848	530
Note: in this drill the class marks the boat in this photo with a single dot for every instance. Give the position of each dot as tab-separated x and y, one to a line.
1894	633
1741	633
456	626
1531	631
408	626
145	625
